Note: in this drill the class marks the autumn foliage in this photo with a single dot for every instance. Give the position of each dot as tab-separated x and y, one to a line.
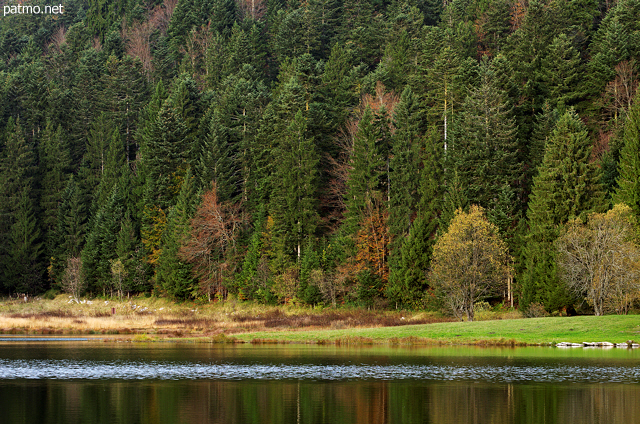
372	242
470	262
211	247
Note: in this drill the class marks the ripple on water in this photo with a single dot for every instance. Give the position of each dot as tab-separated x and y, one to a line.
133	370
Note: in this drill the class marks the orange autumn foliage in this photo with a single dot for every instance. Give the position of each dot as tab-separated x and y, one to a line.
211	246
372	243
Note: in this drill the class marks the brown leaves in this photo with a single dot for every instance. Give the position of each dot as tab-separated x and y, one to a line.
211	246
255	9
138	35
619	93
372	242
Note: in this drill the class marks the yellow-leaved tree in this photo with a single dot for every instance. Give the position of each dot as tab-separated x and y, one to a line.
470	262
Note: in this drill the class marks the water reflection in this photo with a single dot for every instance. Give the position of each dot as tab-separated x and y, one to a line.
289	402
288	385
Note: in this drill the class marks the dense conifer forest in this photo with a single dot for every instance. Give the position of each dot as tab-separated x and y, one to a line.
310	150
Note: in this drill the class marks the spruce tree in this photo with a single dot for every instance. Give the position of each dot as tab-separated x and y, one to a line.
367	168
17	167
562	72
628	190
55	166
568	186
68	238
408	273
294	199
404	164
24	265
173	275
100	247
484	149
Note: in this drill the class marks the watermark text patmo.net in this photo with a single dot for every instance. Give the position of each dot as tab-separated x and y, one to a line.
25	9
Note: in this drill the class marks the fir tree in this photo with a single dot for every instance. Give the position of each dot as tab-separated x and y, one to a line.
294	199
404	164
484	148
68	238
367	168
628	190
408	275
100	247
55	166
24	265
173	276
568	186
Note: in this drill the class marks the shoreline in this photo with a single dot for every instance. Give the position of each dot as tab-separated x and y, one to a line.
156	319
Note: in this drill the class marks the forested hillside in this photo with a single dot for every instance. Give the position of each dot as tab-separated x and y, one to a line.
309	150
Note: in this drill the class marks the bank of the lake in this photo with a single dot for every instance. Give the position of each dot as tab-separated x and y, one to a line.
153	319
529	331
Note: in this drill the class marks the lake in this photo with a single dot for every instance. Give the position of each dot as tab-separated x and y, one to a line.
91	381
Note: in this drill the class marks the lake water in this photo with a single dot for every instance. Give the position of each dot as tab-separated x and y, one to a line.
85	381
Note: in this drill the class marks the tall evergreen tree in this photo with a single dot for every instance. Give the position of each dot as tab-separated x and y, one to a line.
628	190
24	267
367	168
404	164
55	166
567	186
173	275
100	247
563	72
68	238
408	275
484	149
294	199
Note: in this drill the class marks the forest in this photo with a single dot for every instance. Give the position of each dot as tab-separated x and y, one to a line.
322	151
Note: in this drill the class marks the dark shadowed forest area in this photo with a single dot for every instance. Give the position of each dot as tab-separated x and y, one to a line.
420	154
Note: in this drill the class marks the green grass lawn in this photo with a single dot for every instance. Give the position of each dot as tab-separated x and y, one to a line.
614	328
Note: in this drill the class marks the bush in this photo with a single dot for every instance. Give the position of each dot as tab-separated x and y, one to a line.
536	310
50	294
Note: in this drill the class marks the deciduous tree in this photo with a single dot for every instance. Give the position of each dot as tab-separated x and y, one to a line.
599	260
470	261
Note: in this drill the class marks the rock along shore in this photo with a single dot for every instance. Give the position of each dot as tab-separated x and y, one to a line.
628	344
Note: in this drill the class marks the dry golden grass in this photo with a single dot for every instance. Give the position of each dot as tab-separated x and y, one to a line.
160	317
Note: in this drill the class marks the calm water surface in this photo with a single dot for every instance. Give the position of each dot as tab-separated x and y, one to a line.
86	382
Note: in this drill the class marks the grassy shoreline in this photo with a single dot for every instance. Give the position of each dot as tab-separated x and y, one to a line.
530	331
154	319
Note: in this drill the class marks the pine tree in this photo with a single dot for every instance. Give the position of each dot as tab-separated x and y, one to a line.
628	190
100	247
173	275
484	149
408	275
568	186
16	175
294	199
127	92
55	165
367	167
562	72
88	91
24	266
404	164
290	98
113	169
233	123
94	160
17	166
68	238
169	140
